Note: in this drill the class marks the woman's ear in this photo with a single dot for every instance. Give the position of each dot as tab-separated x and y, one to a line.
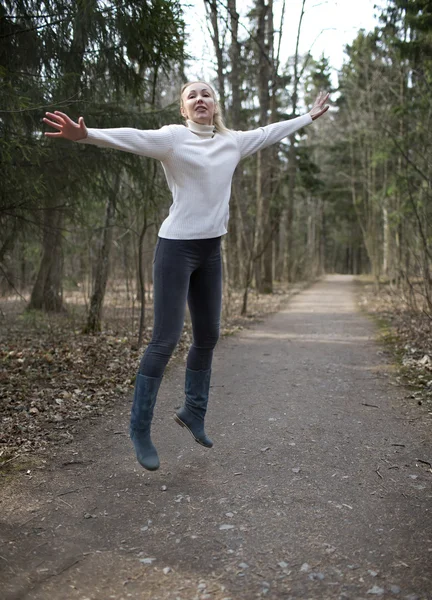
183	112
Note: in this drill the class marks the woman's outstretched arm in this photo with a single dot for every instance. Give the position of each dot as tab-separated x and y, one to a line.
154	143
257	139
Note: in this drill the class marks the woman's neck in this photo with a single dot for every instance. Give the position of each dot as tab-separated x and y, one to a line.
204	131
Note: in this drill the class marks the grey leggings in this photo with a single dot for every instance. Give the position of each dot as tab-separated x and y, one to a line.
185	270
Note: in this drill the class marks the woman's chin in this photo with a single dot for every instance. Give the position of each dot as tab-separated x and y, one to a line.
202	119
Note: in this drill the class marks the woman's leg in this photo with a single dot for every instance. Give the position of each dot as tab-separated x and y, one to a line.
205	303
172	266
205	300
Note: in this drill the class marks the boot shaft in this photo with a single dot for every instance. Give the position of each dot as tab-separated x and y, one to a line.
197	387
144	400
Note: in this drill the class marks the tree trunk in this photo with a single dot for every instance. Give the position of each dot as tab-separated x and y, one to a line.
141	281
225	279
292	165
141	274
211	6
269	227
262	245
235	249
47	291
94	318
7	281
322	239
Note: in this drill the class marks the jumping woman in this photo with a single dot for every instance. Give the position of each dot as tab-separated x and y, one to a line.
199	161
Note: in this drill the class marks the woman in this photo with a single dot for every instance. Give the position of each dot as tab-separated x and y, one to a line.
199	162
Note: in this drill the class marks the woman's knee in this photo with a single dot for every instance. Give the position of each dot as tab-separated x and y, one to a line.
156	357
207	342
214	338
164	346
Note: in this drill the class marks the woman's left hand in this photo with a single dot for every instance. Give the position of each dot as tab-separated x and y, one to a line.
319	107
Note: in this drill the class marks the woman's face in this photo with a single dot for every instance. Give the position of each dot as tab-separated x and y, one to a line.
198	104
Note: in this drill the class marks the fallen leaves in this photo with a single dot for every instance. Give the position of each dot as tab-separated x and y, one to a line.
50	388
407	334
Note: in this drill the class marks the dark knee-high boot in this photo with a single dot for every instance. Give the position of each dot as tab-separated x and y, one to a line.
146	389
192	414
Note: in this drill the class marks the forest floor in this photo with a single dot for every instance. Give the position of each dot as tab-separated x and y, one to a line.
319	484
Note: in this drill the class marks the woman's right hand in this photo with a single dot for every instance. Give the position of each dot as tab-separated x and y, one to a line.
67	128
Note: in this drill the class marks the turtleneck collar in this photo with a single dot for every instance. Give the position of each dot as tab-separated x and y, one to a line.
204	131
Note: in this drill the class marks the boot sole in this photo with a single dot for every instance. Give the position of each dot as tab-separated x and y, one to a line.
180	422
148	468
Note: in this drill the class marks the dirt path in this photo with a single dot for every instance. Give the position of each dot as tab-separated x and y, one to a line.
314	488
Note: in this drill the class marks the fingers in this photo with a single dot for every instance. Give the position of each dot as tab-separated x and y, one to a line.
52	124
49	134
55	117
65	117
319	107
61	118
319	113
322	98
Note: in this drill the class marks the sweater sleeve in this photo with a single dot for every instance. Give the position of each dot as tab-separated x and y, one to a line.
155	143
257	139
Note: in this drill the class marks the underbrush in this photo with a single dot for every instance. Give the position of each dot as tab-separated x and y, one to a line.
406	333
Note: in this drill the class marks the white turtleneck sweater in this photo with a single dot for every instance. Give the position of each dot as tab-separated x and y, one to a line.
199	165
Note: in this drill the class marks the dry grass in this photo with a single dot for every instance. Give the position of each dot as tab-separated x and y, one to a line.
407	334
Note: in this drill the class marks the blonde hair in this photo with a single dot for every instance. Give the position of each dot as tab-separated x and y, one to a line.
217	117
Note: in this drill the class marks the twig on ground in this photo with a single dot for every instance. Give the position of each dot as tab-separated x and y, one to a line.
64	502
72	491
10	460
